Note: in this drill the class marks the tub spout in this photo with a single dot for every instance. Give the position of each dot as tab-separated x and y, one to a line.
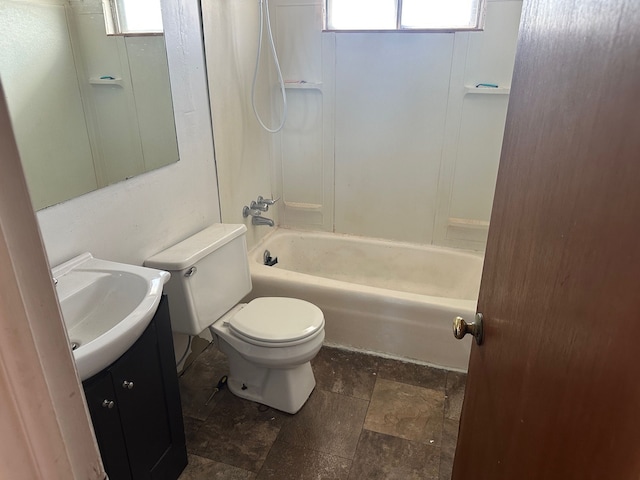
258	220
256	216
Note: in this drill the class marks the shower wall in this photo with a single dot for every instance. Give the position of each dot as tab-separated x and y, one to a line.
242	148
387	136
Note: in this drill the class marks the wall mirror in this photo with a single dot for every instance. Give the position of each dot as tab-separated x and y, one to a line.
88	109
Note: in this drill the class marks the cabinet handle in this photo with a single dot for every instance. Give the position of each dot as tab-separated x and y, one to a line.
108	403
128	385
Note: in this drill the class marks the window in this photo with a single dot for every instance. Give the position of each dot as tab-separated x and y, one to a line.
132	17
404	15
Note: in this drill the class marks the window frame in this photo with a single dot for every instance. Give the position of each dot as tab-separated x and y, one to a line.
479	26
112	22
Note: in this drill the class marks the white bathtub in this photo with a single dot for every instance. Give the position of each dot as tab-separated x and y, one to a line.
393	298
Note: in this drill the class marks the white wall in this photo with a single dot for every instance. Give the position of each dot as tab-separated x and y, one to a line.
243	148
134	219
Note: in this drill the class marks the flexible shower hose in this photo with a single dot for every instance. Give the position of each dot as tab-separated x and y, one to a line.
264	6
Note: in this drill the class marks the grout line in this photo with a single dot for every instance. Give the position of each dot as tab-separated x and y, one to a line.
355	454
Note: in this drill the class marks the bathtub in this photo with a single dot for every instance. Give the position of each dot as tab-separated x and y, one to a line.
392	298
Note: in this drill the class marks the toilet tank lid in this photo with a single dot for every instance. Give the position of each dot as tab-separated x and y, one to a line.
187	252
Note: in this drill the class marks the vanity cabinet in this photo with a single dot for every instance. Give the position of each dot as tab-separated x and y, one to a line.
135	408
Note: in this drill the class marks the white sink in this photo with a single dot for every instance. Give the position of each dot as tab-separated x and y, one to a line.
106	306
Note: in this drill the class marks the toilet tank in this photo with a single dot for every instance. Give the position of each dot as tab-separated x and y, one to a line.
209	275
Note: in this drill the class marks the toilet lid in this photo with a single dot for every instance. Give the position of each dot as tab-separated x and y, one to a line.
277	320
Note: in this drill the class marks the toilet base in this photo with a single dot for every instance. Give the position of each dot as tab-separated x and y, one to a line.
285	389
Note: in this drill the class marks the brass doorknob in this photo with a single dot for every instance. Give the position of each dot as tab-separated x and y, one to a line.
461	328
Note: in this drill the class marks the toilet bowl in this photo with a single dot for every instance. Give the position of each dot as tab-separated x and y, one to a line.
269	341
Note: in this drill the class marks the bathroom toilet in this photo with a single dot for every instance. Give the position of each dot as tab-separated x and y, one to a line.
269	341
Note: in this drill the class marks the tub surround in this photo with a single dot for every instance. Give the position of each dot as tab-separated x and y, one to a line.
376	144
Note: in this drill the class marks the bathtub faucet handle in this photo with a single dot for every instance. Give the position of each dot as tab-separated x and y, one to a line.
263	207
251	211
266	201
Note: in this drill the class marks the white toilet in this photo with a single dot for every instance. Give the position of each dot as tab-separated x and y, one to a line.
269	341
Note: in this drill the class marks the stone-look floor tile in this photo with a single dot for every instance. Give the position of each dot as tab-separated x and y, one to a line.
345	372
448	448
328	422
239	441
238	432
191	427
382	457
288	462
454	394
199	380
200	468
446	468
412	373
406	411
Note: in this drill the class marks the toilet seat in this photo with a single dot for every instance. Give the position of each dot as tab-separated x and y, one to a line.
277	321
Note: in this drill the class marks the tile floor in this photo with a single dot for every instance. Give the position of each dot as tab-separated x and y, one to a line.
368	418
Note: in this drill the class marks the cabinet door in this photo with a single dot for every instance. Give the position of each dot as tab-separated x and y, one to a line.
140	394
174	460
106	423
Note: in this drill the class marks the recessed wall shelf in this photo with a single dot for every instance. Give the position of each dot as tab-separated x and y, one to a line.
310	207
467	229
106	81
303	85
470	89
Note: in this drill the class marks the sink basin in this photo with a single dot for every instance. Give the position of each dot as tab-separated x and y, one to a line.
106	306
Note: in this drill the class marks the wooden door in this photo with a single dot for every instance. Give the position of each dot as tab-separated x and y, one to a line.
554	391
